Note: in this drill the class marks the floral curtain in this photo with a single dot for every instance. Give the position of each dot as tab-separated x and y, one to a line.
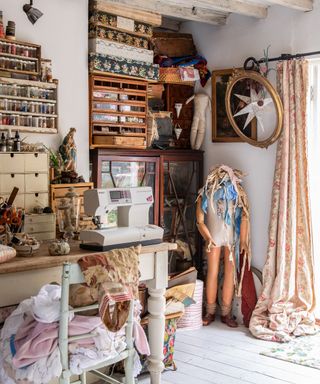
285	307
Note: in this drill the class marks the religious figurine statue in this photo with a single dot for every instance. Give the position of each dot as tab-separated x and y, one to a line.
225	204
68	151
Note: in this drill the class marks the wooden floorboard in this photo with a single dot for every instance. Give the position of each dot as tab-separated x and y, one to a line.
220	355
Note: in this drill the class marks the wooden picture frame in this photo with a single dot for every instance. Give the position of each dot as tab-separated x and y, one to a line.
222	130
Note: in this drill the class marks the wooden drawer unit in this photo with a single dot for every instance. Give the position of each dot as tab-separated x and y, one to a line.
19	200
12	163
118	112
36	182
35	200
10	180
41	226
36	162
29	172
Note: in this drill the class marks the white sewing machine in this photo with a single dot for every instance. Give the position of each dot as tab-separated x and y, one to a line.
132	205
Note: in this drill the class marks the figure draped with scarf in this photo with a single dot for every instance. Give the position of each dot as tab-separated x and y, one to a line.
224	203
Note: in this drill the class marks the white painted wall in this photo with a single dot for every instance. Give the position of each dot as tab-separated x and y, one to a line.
226	47
63	34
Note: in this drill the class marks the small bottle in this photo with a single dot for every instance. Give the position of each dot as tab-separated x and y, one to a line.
9	142
3	146
17	142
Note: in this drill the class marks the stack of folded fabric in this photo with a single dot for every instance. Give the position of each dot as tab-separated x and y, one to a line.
119	40
29	351
178	59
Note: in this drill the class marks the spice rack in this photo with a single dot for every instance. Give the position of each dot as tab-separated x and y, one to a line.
28	106
20	57
118	112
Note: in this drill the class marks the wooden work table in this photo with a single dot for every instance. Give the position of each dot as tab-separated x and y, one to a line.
42	259
22	277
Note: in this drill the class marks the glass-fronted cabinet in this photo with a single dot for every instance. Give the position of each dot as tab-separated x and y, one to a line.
175	177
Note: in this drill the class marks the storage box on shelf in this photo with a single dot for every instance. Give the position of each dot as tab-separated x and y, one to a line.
119	41
58	191
28	106
29	173
118	111
20	57
42	226
119	66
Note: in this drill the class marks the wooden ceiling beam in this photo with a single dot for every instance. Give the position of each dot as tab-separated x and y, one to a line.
183	12
301	5
230	6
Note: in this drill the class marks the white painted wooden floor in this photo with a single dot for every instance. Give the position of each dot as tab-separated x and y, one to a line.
220	355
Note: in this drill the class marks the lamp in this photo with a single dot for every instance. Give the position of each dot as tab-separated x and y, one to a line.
33	13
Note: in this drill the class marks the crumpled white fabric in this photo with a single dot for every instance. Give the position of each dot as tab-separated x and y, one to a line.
45	307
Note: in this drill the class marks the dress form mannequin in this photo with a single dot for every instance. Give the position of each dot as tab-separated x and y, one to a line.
225	203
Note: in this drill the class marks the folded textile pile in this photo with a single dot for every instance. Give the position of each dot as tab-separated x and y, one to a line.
191	68
29	351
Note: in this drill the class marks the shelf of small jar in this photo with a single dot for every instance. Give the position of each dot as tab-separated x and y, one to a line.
49	101
31	129
19	57
28	113
31	83
20	71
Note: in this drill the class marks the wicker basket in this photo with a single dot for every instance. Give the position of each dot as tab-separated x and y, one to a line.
172	75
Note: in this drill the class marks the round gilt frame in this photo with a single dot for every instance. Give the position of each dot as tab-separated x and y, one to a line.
253	75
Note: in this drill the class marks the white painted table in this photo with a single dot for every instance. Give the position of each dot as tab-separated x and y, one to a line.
24	272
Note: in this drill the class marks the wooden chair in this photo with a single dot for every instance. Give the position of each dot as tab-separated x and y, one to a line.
72	274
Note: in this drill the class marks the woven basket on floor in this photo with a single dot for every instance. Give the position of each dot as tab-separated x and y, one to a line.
192	318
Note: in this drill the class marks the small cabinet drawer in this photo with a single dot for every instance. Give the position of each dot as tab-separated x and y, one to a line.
36	182
12	163
40	218
33	200
18	201
9	181
40	227
36	162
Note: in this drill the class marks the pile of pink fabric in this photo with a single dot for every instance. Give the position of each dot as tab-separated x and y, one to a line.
29	350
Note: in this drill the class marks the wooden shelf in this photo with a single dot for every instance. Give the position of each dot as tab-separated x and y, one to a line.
19	57
31	83
20	71
28	113
49	101
27	129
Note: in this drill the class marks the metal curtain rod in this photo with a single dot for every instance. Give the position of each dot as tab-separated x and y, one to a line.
252	62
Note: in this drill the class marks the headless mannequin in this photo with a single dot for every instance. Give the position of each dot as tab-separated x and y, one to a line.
213	259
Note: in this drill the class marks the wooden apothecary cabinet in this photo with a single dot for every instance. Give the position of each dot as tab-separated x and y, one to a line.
118	112
174	175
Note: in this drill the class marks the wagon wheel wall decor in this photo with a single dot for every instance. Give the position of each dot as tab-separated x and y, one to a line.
251	96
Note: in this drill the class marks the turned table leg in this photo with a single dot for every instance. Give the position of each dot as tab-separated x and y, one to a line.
156	308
